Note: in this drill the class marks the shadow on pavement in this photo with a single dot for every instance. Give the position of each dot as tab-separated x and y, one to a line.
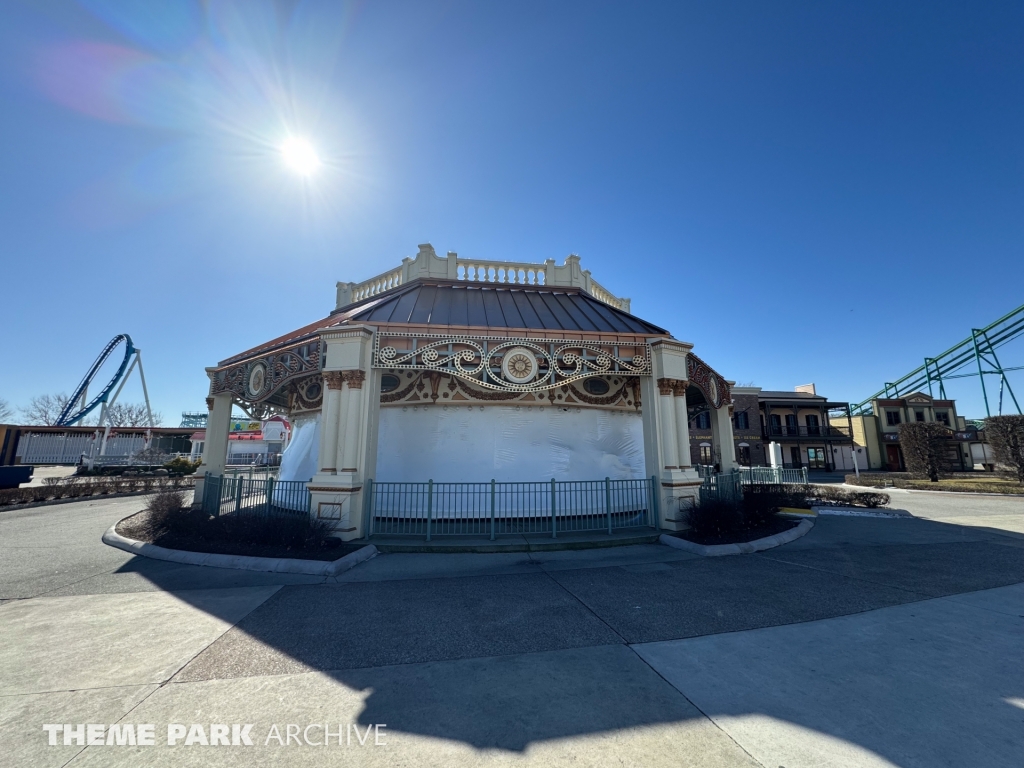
505	661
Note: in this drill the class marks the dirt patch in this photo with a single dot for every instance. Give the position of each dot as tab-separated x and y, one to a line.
213	538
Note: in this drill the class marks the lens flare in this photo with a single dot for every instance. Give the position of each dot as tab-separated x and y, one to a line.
300	156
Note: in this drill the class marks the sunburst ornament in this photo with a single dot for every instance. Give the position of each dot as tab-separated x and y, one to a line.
519	365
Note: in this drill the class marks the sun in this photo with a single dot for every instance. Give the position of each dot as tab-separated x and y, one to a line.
300	156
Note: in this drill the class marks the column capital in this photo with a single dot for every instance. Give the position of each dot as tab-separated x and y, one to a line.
354	378
666	386
333	379
679	387
209	403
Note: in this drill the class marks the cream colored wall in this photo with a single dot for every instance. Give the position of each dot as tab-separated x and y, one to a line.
865	434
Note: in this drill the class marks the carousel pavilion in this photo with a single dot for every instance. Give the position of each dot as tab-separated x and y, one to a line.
454	371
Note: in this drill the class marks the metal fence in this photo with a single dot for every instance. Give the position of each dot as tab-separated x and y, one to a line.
493	509
729	485
726	486
68	447
256	459
772	475
242	495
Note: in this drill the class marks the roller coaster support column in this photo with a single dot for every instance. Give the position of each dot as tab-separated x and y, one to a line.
215	445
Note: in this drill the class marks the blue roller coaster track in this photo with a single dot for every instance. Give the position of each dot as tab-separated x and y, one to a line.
70	415
977	351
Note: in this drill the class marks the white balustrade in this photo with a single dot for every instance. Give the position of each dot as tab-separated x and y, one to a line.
504	272
428	264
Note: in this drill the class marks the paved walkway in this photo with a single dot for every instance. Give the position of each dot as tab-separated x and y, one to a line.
867	642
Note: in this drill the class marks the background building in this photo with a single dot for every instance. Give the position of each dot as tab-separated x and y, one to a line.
878	432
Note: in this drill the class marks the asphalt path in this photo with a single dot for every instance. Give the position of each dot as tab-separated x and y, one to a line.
868	642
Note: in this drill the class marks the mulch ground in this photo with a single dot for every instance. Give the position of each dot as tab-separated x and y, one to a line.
774	526
142	528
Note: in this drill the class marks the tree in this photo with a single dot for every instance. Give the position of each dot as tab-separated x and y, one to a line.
925	448
44	409
131	415
6	412
1006	436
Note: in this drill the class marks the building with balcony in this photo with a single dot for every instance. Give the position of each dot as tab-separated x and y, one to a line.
801	422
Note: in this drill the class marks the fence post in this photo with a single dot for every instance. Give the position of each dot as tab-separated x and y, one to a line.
270	494
655	501
554	524
368	510
430	505
804	469
238	493
206	492
492	509
608	502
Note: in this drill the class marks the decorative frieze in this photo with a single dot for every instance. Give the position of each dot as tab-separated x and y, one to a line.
510	365
430	388
264	378
714	387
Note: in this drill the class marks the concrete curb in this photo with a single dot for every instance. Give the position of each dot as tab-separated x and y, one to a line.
717	550
241	562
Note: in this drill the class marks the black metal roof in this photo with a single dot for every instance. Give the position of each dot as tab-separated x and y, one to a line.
497	306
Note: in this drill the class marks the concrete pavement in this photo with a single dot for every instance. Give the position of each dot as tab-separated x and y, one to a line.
866	642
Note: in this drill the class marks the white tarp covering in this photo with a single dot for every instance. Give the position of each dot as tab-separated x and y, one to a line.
298	460
508	444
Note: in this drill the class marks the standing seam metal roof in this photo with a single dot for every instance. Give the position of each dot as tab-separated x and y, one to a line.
503	306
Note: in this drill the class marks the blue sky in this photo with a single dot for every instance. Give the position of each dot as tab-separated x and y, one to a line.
821	192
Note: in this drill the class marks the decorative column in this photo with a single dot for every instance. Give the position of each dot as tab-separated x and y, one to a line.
669	447
348	431
329	417
721	421
215	445
682	424
350	441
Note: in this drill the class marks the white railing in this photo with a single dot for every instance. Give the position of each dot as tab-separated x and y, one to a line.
506	272
601	293
428	264
378	284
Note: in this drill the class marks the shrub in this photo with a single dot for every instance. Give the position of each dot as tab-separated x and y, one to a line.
165	504
182	466
724	516
924	447
1006	435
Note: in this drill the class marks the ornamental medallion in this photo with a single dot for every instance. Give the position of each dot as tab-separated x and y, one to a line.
519	365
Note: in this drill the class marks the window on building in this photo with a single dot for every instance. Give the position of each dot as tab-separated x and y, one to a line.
790	419
706	457
942	417
813	426
743	455
702	420
741	420
919	415
892	418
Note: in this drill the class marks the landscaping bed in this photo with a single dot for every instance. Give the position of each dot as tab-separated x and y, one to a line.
168	523
776	524
958	482
755	515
